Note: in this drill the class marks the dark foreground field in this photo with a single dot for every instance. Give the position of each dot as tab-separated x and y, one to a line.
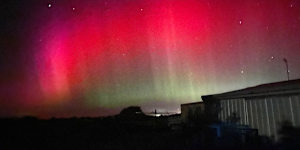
86	134
114	133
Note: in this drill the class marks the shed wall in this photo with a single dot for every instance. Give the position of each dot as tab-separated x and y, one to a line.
264	113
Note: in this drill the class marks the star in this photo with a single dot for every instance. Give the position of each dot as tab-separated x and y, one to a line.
73	8
240	22
49	5
242	71
142	9
271	58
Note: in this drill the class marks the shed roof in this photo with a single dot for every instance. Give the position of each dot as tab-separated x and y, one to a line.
193	103
276	88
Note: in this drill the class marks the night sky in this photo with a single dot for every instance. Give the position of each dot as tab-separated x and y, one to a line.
63	58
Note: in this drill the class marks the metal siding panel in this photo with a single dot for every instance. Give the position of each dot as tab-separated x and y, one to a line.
256	114
278	111
236	108
246	112
220	113
261	117
238	111
296	108
285	109
228	104
267	116
219	116
291	111
232	108
272	118
251	113
223	110
241	112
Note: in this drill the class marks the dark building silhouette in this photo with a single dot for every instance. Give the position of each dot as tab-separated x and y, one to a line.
189	110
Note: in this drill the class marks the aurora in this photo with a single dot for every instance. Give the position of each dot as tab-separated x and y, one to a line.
92	58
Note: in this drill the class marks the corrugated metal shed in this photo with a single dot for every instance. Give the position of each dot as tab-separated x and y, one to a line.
263	107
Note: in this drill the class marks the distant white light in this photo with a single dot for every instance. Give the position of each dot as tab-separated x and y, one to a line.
157	115
73	8
291	5
142	9
242	71
271	58
240	22
49	5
